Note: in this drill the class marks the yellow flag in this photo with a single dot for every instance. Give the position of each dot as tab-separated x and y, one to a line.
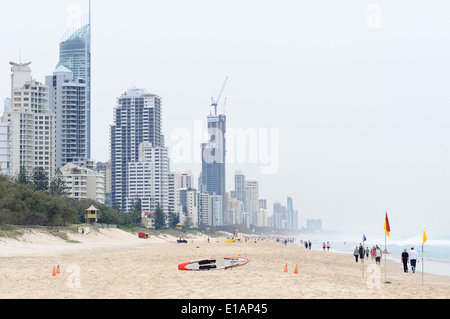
387	228
424	237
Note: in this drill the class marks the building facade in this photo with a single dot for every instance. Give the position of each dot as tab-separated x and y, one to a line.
147	179
137	119
75	55
83	182
32	134
213	159
68	101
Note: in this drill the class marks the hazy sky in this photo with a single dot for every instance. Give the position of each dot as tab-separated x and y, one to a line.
358	91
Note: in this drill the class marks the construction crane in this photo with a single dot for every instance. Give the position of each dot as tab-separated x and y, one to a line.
214	103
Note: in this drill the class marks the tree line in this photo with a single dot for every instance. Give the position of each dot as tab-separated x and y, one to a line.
35	199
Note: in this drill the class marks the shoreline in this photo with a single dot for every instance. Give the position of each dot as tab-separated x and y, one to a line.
432	266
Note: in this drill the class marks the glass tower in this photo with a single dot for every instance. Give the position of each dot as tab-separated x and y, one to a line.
213	158
75	55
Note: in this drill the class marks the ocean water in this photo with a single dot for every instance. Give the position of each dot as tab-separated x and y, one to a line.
436	252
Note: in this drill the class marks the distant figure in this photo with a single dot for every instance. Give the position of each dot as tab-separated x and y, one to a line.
413	257
361	252
306	244
378	255
309	244
367	253
356	253
324	246
405	258
328	246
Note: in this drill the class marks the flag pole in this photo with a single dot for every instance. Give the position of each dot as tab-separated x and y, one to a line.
364	252
422	263
385	253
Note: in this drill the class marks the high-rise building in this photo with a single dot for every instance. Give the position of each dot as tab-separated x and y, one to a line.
189	200
67	99
235	209
147	179
210	209
137	119
75	55
277	217
32	136
291	215
252	196
213	159
239	188
104	168
5	148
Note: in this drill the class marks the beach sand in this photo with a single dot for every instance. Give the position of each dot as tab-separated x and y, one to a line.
110	263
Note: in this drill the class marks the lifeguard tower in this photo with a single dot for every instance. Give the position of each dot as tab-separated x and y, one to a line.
91	214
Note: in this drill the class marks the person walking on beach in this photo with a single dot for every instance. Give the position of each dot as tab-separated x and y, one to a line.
405	258
324	246
413	257
378	255
356	253
309	244
361	252
367	253
328	246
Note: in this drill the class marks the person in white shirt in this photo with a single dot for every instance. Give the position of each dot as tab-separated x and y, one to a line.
378	255
413	257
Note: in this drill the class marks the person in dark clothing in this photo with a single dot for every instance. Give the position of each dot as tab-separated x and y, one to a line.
405	259
361	252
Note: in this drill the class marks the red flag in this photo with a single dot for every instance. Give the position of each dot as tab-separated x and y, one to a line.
387	228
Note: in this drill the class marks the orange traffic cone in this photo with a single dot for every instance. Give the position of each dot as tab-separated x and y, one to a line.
54	272
285	268
296	269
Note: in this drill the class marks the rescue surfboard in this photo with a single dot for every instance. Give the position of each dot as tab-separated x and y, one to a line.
213	263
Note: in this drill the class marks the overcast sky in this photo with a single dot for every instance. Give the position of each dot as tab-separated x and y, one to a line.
357	90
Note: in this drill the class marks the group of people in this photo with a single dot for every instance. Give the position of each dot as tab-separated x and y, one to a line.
375	253
412	257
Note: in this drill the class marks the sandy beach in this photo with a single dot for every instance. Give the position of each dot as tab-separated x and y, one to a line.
110	263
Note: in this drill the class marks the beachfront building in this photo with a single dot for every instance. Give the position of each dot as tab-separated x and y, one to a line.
178	181
213	159
75	55
104	168
31	123
240	188
147	179
68	101
189	203
84	182
5	148
291	215
137	119
252	198
235	210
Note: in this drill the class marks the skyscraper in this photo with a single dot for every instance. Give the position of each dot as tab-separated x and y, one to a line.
67	99
31	123
75	55
213	159
137	119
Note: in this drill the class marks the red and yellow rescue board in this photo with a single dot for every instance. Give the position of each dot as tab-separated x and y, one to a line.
213	263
